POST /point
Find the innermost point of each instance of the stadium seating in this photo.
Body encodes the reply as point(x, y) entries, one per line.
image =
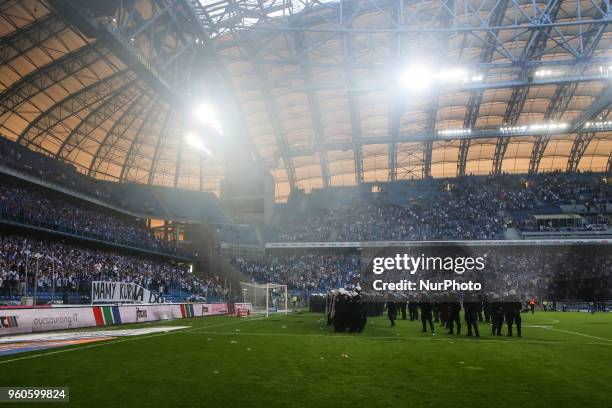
point(22, 204)
point(145, 200)
point(73, 267)
point(553, 272)
point(476, 207)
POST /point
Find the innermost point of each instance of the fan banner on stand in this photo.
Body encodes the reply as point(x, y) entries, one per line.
point(120, 292)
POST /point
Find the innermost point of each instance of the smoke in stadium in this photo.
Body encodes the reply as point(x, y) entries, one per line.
point(377, 203)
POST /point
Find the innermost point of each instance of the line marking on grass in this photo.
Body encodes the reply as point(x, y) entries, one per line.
point(572, 332)
point(581, 334)
point(449, 339)
point(102, 343)
point(242, 320)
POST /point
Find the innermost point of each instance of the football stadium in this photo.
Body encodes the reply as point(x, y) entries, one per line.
point(311, 203)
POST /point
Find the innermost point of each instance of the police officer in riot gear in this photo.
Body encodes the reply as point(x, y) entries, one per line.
point(454, 316)
point(512, 312)
point(472, 308)
point(497, 315)
point(391, 311)
point(426, 315)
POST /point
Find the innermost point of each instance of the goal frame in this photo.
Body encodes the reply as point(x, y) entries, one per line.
point(267, 287)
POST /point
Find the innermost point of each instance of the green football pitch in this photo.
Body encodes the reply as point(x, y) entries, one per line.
point(563, 360)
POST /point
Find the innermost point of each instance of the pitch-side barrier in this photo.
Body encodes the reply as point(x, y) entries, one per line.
point(40, 319)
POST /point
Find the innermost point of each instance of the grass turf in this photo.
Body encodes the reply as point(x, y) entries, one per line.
point(563, 360)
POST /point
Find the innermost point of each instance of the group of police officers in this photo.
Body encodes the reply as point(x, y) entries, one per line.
point(447, 312)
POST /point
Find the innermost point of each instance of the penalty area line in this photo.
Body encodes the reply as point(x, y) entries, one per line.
point(582, 334)
point(572, 332)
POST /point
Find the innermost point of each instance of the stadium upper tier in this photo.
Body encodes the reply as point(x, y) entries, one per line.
point(135, 199)
point(27, 206)
point(466, 208)
point(324, 93)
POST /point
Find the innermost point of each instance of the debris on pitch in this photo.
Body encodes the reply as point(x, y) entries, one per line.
point(344, 355)
point(234, 341)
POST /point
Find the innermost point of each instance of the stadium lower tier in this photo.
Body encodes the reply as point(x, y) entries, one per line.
point(555, 272)
point(63, 271)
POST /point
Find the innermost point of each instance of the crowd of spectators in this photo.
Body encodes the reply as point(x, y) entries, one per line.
point(579, 273)
point(474, 207)
point(570, 273)
point(310, 272)
point(73, 268)
point(33, 207)
point(39, 166)
point(466, 208)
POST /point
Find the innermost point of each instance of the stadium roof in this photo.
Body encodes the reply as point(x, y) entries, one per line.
point(325, 93)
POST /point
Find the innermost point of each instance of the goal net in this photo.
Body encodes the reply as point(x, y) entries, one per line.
point(265, 298)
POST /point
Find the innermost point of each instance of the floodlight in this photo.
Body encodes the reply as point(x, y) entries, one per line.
point(206, 115)
point(543, 72)
point(536, 127)
point(455, 132)
point(196, 142)
point(417, 78)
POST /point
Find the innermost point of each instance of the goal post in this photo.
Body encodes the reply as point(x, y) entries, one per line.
point(265, 298)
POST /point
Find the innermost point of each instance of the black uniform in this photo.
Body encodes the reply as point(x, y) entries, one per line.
point(454, 317)
point(487, 313)
point(497, 317)
point(413, 310)
point(512, 311)
point(436, 311)
point(392, 312)
point(443, 312)
point(403, 310)
point(426, 316)
point(472, 310)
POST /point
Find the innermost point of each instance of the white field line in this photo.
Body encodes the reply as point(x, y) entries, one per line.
point(570, 332)
point(539, 327)
point(101, 344)
point(104, 343)
point(240, 320)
